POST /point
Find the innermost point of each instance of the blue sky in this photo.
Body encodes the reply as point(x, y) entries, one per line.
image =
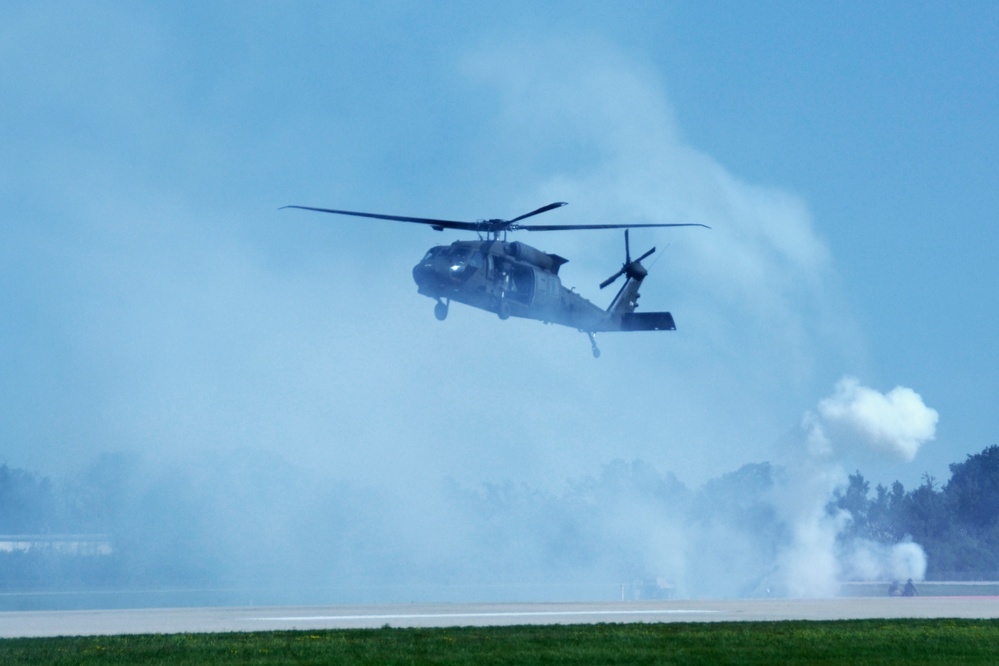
point(157, 301)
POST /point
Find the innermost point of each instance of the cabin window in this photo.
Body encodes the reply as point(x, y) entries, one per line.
point(522, 284)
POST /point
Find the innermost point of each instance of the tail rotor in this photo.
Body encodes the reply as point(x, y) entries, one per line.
point(633, 269)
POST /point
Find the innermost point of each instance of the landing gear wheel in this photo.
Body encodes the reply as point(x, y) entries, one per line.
point(440, 310)
point(504, 310)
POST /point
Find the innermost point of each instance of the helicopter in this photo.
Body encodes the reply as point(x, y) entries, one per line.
point(512, 279)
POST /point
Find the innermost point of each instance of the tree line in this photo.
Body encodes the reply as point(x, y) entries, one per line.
point(244, 519)
point(956, 523)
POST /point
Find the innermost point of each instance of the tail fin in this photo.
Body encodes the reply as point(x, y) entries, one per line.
point(626, 300)
point(622, 309)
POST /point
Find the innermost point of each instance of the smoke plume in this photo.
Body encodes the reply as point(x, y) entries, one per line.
point(893, 424)
point(855, 417)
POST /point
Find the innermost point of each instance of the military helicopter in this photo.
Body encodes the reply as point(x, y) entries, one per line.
point(516, 280)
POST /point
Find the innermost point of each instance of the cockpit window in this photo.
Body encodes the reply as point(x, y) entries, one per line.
point(462, 258)
point(432, 252)
point(461, 255)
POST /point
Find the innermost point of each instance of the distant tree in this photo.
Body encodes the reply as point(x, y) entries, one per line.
point(27, 502)
point(881, 517)
point(854, 499)
point(897, 497)
point(735, 531)
point(924, 513)
point(98, 497)
point(973, 490)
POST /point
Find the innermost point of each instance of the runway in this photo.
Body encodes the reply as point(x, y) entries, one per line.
point(270, 618)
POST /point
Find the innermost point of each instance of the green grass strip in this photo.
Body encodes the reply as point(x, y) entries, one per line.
point(853, 641)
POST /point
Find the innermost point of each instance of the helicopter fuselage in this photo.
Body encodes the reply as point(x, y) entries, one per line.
point(513, 279)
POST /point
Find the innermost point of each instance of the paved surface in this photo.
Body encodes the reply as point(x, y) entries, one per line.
point(178, 620)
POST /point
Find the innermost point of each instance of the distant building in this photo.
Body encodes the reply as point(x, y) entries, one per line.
point(63, 544)
point(652, 588)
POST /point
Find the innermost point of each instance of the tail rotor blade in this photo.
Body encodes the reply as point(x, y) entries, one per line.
point(611, 279)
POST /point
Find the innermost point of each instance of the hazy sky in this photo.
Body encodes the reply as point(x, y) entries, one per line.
point(156, 300)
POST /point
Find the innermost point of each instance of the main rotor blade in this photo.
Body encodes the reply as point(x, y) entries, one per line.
point(543, 209)
point(442, 224)
point(493, 225)
point(575, 227)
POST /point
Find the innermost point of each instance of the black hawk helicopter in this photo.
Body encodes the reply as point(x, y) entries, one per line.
point(516, 280)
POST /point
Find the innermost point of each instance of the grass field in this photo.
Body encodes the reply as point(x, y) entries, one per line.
point(854, 641)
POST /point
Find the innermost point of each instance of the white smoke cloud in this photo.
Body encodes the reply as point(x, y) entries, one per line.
point(896, 423)
point(890, 425)
point(808, 564)
point(755, 297)
point(868, 560)
point(810, 567)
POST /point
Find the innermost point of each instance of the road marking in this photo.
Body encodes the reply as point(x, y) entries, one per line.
point(428, 616)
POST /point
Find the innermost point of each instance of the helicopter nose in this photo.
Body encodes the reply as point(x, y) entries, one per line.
point(423, 274)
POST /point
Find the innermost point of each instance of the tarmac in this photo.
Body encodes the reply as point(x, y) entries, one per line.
point(269, 618)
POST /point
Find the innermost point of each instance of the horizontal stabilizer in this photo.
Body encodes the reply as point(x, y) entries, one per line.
point(647, 321)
